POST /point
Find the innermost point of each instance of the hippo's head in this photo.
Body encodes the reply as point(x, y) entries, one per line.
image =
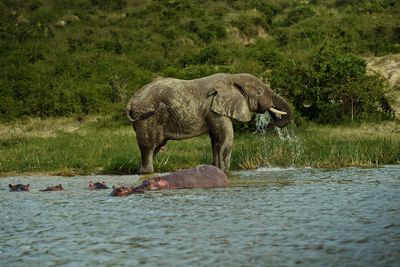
point(53, 188)
point(125, 191)
point(97, 185)
point(155, 183)
point(150, 185)
point(57, 188)
point(120, 191)
point(18, 187)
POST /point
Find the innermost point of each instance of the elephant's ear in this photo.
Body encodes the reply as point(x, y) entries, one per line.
point(229, 101)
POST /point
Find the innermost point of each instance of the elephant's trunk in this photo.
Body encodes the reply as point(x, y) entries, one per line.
point(281, 112)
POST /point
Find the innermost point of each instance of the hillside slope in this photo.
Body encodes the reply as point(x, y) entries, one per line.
point(389, 67)
point(60, 58)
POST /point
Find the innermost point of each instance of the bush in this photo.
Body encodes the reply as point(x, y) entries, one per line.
point(332, 88)
point(295, 15)
point(248, 25)
point(195, 71)
point(107, 50)
point(42, 15)
point(265, 53)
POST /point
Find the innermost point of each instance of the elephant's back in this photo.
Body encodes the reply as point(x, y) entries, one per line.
point(163, 89)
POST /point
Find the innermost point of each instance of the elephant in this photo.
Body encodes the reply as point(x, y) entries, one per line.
point(174, 109)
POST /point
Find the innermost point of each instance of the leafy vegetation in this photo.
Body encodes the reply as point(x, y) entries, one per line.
point(332, 87)
point(79, 57)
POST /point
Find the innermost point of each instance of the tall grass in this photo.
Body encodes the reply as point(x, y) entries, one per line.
point(102, 146)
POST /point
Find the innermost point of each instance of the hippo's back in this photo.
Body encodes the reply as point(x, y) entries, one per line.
point(203, 176)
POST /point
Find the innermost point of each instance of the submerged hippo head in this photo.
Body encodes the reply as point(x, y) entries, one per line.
point(97, 185)
point(125, 191)
point(154, 183)
point(18, 187)
point(53, 188)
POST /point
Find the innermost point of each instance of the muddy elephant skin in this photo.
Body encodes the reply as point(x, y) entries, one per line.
point(173, 109)
point(18, 187)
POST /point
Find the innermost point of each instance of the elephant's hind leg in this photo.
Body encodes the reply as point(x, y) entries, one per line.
point(146, 163)
point(149, 142)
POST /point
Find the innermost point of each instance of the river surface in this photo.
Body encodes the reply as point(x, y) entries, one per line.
point(287, 217)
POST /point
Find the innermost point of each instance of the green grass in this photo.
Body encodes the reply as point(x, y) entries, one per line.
point(101, 146)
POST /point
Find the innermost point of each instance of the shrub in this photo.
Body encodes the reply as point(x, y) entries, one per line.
point(333, 87)
point(114, 47)
point(246, 25)
point(295, 15)
point(266, 53)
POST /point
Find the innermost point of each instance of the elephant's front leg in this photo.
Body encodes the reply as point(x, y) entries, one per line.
point(221, 134)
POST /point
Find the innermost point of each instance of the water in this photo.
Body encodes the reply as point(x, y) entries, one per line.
point(262, 122)
point(302, 217)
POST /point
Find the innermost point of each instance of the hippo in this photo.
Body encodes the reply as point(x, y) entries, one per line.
point(97, 185)
point(125, 191)
point(53, 188)
point(203, 176)
point(18, 187)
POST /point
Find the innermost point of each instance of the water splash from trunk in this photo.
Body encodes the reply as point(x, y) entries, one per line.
point(262, 122)
point(263, 125)
point(295, 148)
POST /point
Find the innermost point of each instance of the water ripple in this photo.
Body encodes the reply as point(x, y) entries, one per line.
point(304, 217)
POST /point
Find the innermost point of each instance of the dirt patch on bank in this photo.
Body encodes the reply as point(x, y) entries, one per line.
point(44, 128)
point(389, 67)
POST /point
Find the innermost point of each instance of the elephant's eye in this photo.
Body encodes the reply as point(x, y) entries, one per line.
point(259, 92)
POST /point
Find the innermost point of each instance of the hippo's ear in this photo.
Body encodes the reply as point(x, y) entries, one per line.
point(158, 178)
point(27, 186)
point(10, 185)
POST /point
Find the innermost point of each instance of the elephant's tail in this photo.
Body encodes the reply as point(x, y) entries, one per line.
point(128, 112)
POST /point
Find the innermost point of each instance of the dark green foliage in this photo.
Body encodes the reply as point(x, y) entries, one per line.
point(333, 87)
point(297, 14)
point(77, 57)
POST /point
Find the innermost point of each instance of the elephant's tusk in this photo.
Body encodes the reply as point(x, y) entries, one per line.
point(278, 112)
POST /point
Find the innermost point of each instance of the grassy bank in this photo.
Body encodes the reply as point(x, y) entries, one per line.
point(101, 146)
